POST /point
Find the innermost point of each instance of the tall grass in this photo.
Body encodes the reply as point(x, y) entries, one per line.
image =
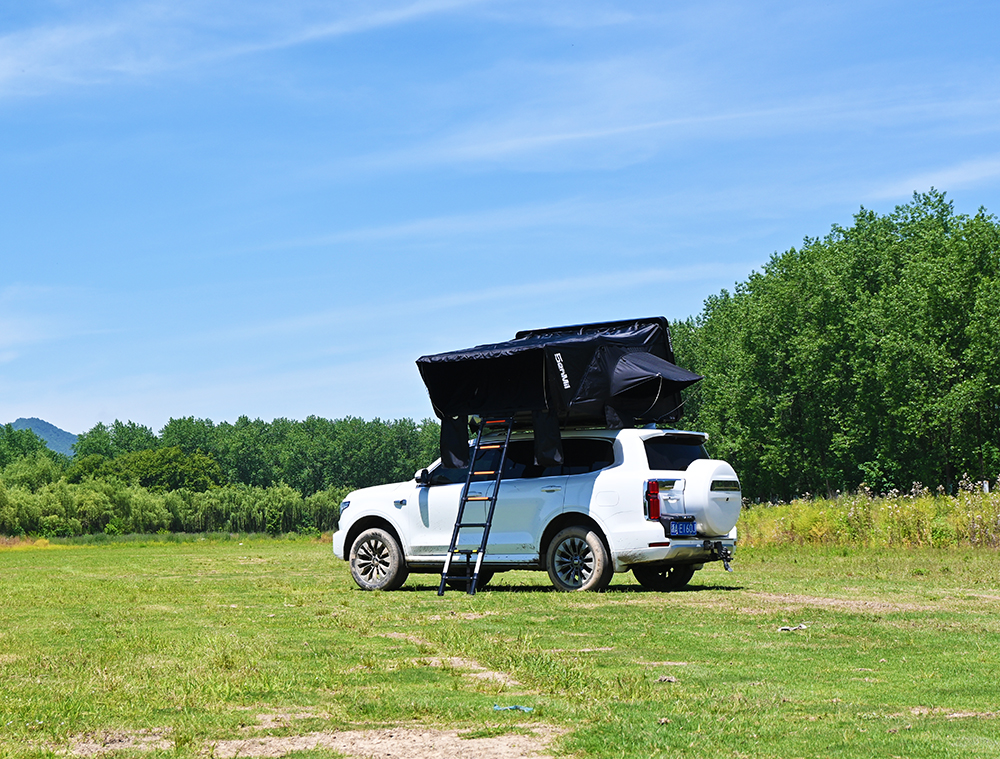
point(920, 518)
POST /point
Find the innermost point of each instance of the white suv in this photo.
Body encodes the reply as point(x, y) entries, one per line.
point(645, 500)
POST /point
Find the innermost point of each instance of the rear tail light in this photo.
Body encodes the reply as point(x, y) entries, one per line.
point(653, 499)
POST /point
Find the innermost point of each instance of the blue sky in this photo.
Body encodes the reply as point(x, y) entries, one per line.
point(216, 208)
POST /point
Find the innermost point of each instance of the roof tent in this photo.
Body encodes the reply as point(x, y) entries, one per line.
point(613, 374)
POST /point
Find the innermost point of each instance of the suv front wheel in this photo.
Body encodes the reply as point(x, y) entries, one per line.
point(377, 562)
point(578, 560)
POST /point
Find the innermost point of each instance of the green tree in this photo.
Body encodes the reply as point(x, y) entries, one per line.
point(94, 442)
point(165, 469)
point(867, 355)
point(32, 471)
point(15, 444)
point(190, 435)
point(84, 467)
point(120, 437)
point(245, 452)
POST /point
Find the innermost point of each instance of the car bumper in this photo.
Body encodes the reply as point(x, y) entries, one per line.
point(673, 551)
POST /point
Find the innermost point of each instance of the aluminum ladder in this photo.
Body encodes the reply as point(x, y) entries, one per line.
point(471, 578)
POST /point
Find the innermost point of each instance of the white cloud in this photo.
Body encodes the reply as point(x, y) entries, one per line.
point(615, 112)
point(977, 172)
point(570, 211)
point(32, 315)
point(138, 40)
point(519, 298)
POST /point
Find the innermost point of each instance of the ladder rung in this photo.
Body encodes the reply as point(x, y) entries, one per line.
point(485, 472)
point(490, 447)
point(478, 498)
point(471, 524)
point(465, 551)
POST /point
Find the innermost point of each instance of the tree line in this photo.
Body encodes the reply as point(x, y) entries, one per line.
point(869, 356)
point(309, 456)
point(198, 476)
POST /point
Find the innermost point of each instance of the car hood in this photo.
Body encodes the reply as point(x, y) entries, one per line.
point(377, 492)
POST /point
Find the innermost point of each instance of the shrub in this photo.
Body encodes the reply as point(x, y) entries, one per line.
point(919, 518)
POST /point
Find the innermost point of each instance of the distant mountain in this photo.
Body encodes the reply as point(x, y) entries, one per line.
point(58, 440)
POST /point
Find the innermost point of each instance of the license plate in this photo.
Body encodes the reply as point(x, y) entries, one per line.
point(683, 529)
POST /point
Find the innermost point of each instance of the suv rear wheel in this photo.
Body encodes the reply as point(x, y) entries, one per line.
point(578, 560)
point(663, 578)
point(376, 561)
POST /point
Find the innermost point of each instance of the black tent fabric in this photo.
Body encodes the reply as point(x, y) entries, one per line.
point(608, 374)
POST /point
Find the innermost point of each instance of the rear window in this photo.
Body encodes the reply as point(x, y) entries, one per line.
point(674, 452)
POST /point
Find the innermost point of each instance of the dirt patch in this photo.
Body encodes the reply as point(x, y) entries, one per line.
point(924, 711)
point(472, 669)
point(855, 605)
point(392, 743)
point(95, 744)
point(395, 743)
point(274, 720)
point(410, 638)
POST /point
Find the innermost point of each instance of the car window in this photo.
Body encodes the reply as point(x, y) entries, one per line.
point(520, 463)
point(674, 451)
point(485, 465)
point(583, 455)
point(580, 456)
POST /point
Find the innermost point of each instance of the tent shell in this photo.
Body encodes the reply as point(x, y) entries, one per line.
point(607, 374)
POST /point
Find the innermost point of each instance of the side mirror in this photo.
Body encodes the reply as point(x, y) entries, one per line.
point(423, 477)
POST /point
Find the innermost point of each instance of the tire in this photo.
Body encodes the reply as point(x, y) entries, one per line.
point(485, 575)
point(578, 560)
point(377, 562)
point(663, 579)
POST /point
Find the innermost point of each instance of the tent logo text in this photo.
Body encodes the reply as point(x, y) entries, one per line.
point(562, 370)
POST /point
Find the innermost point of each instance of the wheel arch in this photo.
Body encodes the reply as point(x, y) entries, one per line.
point(367, 523)
point(570, 519)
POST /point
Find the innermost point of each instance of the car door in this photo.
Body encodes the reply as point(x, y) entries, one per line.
point(527, 494)
point(530, 495)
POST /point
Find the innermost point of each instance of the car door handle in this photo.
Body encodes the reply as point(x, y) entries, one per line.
point(554, 489)
point(399, 503)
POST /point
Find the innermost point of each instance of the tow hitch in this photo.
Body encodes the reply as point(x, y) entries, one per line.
point(722, 552)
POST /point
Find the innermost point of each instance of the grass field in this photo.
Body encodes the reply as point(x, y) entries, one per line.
point(186, 649)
